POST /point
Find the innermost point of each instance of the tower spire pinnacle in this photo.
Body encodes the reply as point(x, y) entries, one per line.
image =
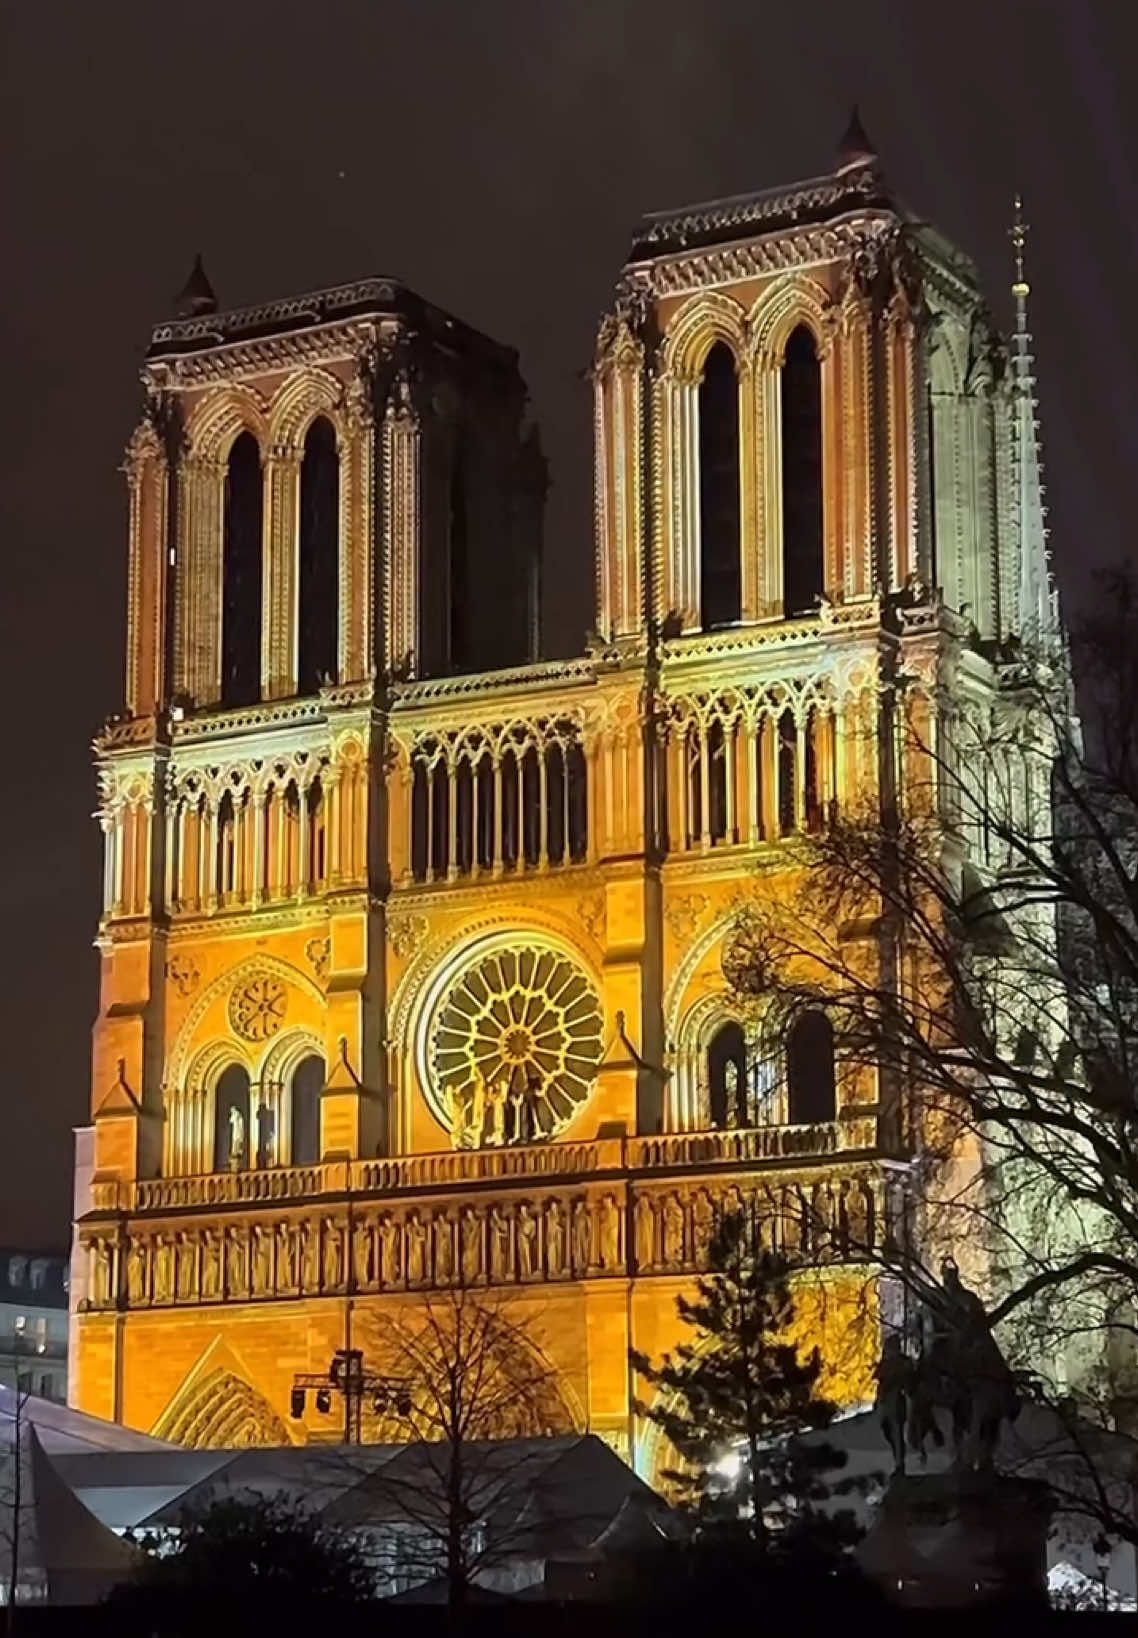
point(1038, 610)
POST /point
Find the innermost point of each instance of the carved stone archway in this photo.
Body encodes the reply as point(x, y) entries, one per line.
point(220, 1411)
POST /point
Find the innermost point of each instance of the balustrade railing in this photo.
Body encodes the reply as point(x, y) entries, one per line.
point(445, 1168)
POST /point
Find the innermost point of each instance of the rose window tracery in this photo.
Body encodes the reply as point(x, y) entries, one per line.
point(515, 1046)
point(257, 1007)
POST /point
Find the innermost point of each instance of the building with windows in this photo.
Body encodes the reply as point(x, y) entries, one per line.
point(34, 1322)
point(413, 943)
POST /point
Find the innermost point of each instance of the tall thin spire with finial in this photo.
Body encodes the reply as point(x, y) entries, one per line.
point(1038, 612)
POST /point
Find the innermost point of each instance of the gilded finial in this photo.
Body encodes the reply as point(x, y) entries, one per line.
point(1018, 233)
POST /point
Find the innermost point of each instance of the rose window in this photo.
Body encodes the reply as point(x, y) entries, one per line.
point(257, 1008)
point(515, 1046)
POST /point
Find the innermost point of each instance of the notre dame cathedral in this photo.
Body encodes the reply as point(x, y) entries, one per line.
point(412, 941)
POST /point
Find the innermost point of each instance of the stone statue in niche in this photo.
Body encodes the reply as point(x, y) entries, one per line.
point(362, 1255)
point(236, 1258)
point(582, 1236)
point(556, 1259)
point(608, 1235)
point(674, 1225)
point(821, 1211)
point(444, 1249)
point(262, 1260)
point(136, 1271)
point(236, 1139)
point(415, 1238)
point(529, 1250)
point(500, 1259)
point(163, 1269)
point(471, 1233)
point(185, 1267)
point(645, 1217)
point(333, 1255)
point(286, 1257)
point(211, 1264)
point(391, 1268)
point(703, 1226)
point(100, 1272)
point(310, 1256)
point(858, 1220)
point(266, 1136)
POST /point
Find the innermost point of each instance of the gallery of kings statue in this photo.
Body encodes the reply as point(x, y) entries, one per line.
point(412, 942)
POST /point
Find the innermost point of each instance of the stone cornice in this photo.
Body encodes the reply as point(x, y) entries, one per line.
point(239, 361)
point(756, 258)
point(817, 199)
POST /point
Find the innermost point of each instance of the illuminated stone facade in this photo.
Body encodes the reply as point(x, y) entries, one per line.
point(414, 974)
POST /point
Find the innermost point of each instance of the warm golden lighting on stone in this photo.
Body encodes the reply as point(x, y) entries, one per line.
point(417, 976)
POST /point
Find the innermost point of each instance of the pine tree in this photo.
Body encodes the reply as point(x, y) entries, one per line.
point(735, 1402)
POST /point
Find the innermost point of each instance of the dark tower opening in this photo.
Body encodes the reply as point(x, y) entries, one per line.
point(307, 1085)
point(727, 1076)
point(318, 592)
point(803, 568)
point(231, 1128)
point(241, 576)
point(720, 574)
point(459, 635)
point(810, 1069)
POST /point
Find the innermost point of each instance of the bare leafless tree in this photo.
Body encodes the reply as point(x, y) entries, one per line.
point(467, 1389)
point(15, 1493)
point(971, 928)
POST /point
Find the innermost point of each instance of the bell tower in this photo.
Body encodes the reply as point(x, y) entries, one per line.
point(326, 493)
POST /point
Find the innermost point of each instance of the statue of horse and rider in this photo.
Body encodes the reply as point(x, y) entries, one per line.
point(958, 1370)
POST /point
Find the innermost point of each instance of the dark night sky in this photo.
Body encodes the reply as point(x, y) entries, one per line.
point(495, 156)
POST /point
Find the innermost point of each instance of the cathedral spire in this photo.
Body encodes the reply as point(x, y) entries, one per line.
point(197, 294)
point(1038, 608)
point(855, 149)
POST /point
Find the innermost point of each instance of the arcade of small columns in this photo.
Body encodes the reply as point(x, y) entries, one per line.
point(735, 764)
point(245, 833)
point(864, 345)
point(189, 1132)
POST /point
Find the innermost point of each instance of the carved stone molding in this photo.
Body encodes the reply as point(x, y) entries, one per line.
point(406, 933)
point(317, 952)
point(592, 913)
point(183, 973)
point(684, 914)
point(544, 1237)
point(257, 1007)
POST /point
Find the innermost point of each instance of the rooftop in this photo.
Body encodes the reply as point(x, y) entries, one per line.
point(201, 326)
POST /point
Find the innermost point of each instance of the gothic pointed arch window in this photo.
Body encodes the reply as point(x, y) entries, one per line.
point(307, 1085)
point(803, 567)
point(727, 1076)
point(319, 554)
point(811, 1091)
point(231, 1110)
point(720, 559)
point(241, 575)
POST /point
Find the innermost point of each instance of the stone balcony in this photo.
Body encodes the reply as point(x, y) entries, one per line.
point(459, 1169)
point(624, 1209)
